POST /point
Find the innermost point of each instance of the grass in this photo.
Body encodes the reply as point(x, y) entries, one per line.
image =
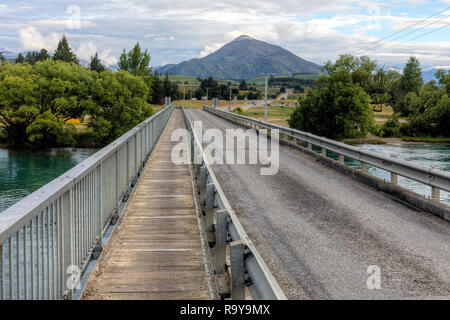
point(363, 141)
point(260, 81)
point(194, 81)
point(387, 111)
point(275, 114)
point(157, 107)
point(198, 104)
point(427, 139)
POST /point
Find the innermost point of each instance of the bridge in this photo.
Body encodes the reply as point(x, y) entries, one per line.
point(129, 223)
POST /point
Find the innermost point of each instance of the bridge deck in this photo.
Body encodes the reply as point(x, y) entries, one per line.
point(155, 251)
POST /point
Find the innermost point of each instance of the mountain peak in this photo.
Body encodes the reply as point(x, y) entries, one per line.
point(244, 37)
point(241, 59)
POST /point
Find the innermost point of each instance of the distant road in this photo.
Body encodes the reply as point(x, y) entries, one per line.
point(319, 231)
point(244, 106)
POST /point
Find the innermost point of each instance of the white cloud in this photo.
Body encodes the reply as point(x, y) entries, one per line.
point(178, 30)
point(210, 49)
point(88, 49)
point(32, 39)
point(62, 24)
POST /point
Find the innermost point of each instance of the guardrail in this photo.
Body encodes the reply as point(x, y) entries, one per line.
point(435, 178)
point(248, 268)
point(48, 238)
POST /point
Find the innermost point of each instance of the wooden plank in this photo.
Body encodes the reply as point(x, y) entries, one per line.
point(156, 252)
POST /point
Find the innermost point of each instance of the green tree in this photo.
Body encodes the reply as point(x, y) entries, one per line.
point(2, 57)
point(96, 64)
point(411, 80)
point(20, 58)
point(64, 53)
point(243, 85)
point(382, 85)
point(33, 57)
point(157, 90)
point(42, 55)
point(136, 62)
point(49, 92)
point(339, 107)
point(208, 86)
point(170, 89)
point(120, 105)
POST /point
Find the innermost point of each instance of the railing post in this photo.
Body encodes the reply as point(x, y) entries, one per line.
point(394, 178)
point(309, 146)
point(324, 152)
point(67, 245)
point(98, 213)
point(237, 270)
point(436, 194)
point(220, 249)
point(209, 207)
point(341, 158)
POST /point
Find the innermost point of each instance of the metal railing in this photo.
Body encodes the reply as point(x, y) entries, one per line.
point(435, 178)
point(48, 238)
point(248, 268)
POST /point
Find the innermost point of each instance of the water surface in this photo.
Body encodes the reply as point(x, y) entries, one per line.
point(23, 172)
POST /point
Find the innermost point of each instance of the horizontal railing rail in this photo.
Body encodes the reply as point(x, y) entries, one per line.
point(435, 178)
point(48, 238)
point(247, 267)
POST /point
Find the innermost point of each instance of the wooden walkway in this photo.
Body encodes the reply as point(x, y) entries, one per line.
point(155, 251)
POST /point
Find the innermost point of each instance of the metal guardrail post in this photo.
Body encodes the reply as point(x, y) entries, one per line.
point(324, 152)
point(221, 241)
point(364, 167)
point(309, 146)
point(436, 194)
point(341, 158)
point(209, 207)
point(237, 270)
point(394, 178)
point(203, 180)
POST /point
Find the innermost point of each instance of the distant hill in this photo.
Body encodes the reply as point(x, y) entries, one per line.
point(243, 58)
point(429, 75)
point(8, 54)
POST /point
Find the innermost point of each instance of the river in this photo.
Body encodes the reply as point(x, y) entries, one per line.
point(428, 155)
point(22, 172)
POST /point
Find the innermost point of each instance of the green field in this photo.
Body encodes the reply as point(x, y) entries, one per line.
point(260, 81)
point(188, 80)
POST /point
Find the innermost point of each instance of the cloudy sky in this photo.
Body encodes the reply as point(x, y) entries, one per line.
point(175, 30)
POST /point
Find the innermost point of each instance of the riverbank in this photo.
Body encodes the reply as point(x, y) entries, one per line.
point(374, 140)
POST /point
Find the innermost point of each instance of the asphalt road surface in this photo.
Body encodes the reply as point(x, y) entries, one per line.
point(319, 231)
